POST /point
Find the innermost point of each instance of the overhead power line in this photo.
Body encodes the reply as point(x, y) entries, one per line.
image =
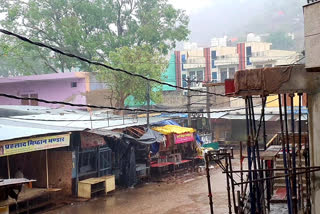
point(100, 64)
point(120, 109)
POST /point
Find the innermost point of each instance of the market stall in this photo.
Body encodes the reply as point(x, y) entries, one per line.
point(176, 152)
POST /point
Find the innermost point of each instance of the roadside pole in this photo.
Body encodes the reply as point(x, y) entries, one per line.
point(208, 113)
point(148, 104)
point(189, 102)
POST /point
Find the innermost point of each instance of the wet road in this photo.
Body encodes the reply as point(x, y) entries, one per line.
point(179, 197)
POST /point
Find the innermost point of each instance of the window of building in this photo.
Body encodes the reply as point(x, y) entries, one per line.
point(232, 71)
point(183, 60)
point(259, 66)
point(73, 84)
point(249, 54)
point(25, 102)
point(29, 102)
point(184, 82)
point(224, 74)
point(213, 54)
point(213, 58)
point(268, 65)
point(214, 76)
point(192, 75)
point(199, 75)
point(33, 102)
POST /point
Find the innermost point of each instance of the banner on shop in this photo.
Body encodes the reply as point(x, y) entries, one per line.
point(33, 144)
point(183, 138)
point(89, 140)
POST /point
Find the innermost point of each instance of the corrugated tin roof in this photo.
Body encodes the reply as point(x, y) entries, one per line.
point(269, 117)
point(84, 120)
point(11, 129)
point(51, 121)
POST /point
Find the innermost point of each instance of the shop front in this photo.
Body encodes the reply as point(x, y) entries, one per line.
point(38, 159)
point(92, 158)
point(178, 151)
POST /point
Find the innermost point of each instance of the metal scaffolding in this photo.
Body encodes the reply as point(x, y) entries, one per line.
point(260, 173)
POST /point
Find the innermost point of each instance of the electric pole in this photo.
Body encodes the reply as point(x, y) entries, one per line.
point(148, 104)
point(208, 105)
point(189, 102)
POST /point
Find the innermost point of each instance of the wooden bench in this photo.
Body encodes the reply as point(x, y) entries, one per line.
point(91, 187)
point(110, 183)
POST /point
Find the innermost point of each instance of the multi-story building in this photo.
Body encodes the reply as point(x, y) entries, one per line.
point(217, 63)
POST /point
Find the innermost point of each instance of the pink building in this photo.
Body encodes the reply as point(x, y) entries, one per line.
point(68, 87)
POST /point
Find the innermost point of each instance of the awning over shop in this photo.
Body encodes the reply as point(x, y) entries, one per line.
point(151, 137)
point(169, 129)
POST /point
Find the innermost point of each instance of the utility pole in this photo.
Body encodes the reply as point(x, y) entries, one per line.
point(189, 101)
point(148, 104)
point(208, 113)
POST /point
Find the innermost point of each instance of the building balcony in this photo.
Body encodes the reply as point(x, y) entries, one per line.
point(193, 65)
point(220, 61)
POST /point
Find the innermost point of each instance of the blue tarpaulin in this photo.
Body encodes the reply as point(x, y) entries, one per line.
point(166, 122)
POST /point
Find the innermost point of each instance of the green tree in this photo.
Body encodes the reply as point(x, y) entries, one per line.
point(142, 60)
point(88, 28)
point(280, 40)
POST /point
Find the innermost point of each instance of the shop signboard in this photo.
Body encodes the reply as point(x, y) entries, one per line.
point(33, 144)
point(183, 138)
point(89, 140)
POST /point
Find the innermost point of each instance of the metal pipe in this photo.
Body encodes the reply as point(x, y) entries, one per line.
point(239, 208)
point(268, 186)
point(241, 167)
point(232, 185)
point(253, 132)
point(279, 176)
point(249, 158)
point(300, 187)
point(209, 183)
point(228, 184)
point(294, 177)
point(260, 162)
point(289, 202)
point(148, 104)
point(308, 181)
point(272, 170)
point(264, 99)
point(287, 132)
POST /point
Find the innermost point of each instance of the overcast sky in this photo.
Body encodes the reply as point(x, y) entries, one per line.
point(216, 18)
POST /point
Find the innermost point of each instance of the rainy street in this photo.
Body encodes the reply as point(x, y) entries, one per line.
point(184, 195)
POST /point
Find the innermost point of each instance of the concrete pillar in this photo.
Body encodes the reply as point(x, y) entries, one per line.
point(314, 139)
